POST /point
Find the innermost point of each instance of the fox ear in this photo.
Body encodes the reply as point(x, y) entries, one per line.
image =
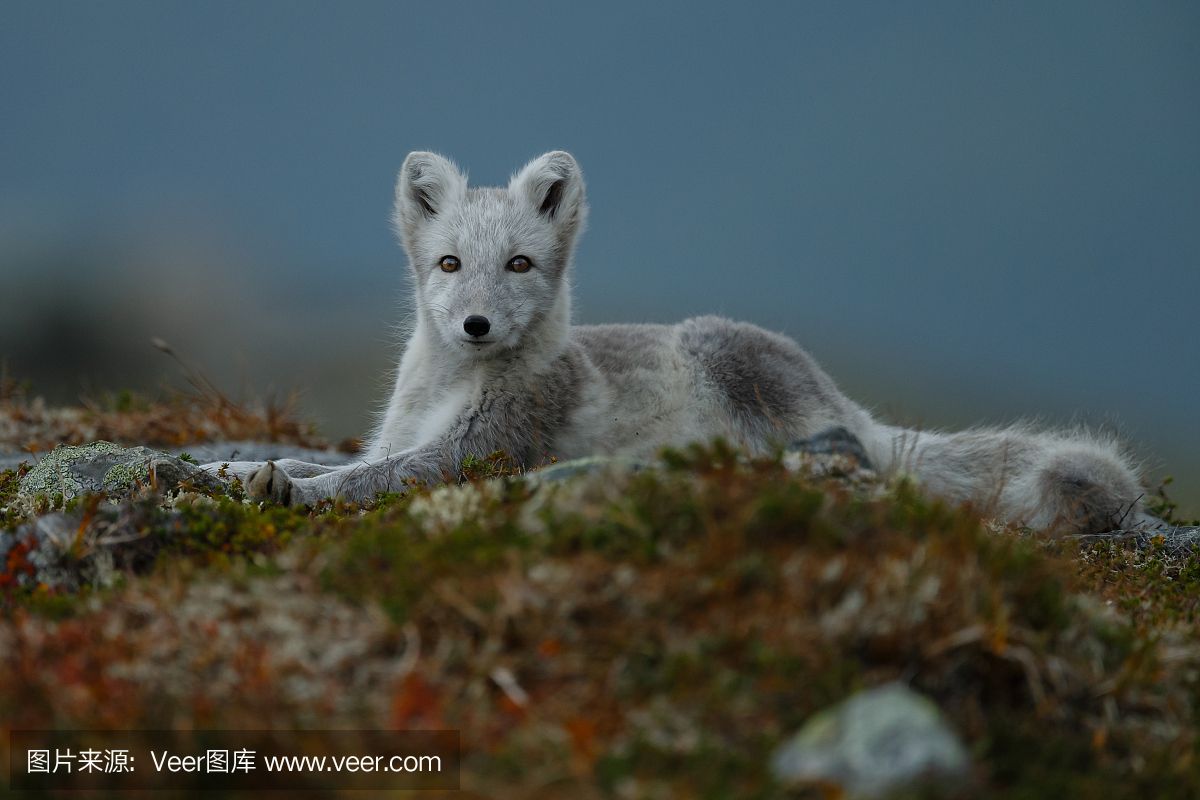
point(427, 186)
point(553, 185)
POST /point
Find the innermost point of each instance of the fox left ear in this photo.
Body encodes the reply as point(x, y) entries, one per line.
point(553, 184)
point(428, 185)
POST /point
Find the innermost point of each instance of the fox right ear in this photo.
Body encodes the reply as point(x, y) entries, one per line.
point(553, 185)
point(427, 186)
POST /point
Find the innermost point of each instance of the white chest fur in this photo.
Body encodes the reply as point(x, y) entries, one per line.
point(444, 406)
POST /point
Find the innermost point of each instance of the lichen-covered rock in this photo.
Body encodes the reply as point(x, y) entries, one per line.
point(874, 743)
point(115, 470)
point(566, 470)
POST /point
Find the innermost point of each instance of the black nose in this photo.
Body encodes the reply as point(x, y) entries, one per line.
point(476, 325)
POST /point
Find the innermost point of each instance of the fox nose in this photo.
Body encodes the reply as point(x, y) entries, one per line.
point(476, 325)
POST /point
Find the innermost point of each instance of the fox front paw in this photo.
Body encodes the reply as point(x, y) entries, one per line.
point(269, 484)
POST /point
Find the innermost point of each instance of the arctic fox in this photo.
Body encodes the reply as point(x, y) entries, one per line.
point(493, 363)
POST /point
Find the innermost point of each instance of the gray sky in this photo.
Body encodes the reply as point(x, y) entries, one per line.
point(964, 210)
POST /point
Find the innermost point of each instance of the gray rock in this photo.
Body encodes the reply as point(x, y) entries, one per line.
point(66, 551)
point(48, 542)
point(211, 452)
point(221, 451)
point(565, 470)
point(834, 442)
point(874, 743)
point(104, 466)
point(1178, 541)
point(834, 453)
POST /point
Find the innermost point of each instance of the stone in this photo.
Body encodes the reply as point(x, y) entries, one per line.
point(64, 551)
point(209, 452)
point(1178, 541)
point(874, 743)
point(833, 442)
point(834, 453)
point(212, 452)
point(566, 470)
point(115, 470)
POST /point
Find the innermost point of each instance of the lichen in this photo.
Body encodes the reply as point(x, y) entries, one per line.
point(127, 477)
point(53, 474)
point(70, 472)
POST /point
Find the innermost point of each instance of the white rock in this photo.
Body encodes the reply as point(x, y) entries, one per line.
point(873, 743)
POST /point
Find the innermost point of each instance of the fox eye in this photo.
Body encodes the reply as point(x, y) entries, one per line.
point(520, 264)
point(449, 264)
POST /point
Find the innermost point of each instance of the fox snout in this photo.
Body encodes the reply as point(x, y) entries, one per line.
point(476, 325)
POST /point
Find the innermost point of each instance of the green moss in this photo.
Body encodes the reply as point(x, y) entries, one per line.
point(216, 533)
point(10, 482)
point(389, 557)
point(495, 465)
point(54, 605)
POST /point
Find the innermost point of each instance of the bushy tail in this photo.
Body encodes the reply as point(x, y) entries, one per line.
point(1076, 482)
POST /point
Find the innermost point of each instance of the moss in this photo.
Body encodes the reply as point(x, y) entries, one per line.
point(10, 482)
point(389, 556)
point(222, 529)
point(495, 465)
point(53, 604)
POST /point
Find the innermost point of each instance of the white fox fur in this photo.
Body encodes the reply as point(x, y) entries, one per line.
point(528, 382)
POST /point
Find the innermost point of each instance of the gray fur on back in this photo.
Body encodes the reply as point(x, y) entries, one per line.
point(537, 387)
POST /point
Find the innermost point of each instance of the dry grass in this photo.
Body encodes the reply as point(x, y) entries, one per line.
point(182, 417)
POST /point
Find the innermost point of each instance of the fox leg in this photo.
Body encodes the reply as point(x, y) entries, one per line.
point(274, 482)
point(243, 470)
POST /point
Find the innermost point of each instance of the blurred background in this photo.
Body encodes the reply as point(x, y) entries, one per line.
point(967, 213)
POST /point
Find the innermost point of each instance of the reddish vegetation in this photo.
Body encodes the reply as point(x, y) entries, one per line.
point(648, 635)
point(182, 419)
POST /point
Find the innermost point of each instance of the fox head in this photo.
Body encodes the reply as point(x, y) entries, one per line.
point(491, 266)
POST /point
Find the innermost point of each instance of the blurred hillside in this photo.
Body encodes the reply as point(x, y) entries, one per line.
point(79, 322)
